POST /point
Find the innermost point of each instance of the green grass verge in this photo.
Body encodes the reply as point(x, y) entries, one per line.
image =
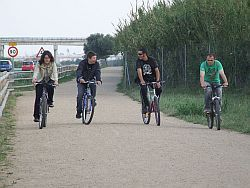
point(7, 125)
point(188, 105)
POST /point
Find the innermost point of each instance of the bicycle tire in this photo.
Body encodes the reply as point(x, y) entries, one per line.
point(217, 114)
point(210, 118)
point(88, 110)
point(43, 112)
point(157, 111)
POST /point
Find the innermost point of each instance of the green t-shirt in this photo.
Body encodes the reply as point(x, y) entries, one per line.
point(211, 71)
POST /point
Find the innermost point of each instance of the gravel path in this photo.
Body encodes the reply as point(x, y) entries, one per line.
point(117, 150)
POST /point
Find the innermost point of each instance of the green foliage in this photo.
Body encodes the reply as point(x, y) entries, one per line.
point(202, 26)
point(101, 44)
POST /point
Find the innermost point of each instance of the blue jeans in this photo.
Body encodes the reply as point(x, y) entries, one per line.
point(81, 90)
point(208, 94)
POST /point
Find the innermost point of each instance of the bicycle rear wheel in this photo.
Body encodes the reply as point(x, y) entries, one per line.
point(157, 111)
point(217, 114)
point(88, 110)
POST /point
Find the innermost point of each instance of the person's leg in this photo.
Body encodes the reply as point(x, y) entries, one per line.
point(93, 92)
point(158, 91)
point(81, 89)
point(50, 90)
point(144, 97)
point(219, 93)
point(39, 91)
point(207, 96)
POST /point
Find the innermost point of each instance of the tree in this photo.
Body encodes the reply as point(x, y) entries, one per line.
point(100, 44)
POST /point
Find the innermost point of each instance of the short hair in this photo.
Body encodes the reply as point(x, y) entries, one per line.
point(48, 53)
point(143, 50)
point(90, 54)
point(211, 55)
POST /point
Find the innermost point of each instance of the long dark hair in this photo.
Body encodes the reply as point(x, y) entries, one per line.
point(48, 53)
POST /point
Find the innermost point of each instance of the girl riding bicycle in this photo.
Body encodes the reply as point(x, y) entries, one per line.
point(45, 70)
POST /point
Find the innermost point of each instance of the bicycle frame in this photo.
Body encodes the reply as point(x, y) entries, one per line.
point(150, 95)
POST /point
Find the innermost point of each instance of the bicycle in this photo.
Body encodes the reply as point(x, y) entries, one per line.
point(44, 107)
point(88, 104)
point(215, 106)
point(153, 104)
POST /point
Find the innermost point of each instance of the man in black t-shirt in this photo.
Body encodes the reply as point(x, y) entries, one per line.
point(147, 71)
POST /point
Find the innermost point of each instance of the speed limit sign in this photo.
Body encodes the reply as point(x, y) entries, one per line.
point(12, 51)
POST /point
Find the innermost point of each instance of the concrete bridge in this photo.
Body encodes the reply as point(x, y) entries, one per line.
point(66, 41)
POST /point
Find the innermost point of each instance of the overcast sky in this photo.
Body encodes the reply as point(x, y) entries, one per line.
point(61, 18)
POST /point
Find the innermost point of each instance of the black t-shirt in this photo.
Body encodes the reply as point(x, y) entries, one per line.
point(148, 69)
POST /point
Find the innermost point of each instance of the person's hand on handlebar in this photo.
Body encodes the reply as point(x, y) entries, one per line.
point(56, 83)
point(158, 84)
point(34, 80)
point(82, 81)
point(143, 82)
point(225, 84)
point(99, 83)
point(203, 85)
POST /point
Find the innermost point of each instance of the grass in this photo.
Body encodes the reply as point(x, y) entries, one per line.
point(188, 105)
point(7, 125)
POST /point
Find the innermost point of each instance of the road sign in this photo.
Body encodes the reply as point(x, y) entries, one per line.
point(12, 43)
point(12, 51)
point(40, 52)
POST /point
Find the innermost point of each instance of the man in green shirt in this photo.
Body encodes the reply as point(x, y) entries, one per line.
point(210, 72)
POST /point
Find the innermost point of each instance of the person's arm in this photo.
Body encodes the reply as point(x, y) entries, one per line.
point(79, 73)
point(139, 73)
point(35, 74)
point(98, 74)
point(158, 77)
point(55, 73)
point(202, 79)
point(202, 75)
point(224, 78)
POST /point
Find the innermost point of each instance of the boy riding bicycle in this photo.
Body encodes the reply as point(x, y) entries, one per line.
point(88, 70)
point(147, 71)
point(210, 72)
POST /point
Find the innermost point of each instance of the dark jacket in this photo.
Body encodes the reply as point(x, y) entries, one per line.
point(88, 72)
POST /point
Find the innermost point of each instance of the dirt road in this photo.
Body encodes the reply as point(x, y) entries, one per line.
point(117, 150)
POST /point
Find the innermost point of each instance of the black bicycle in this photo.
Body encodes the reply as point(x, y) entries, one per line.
point(44, 107)
point(215, 113)
point(88, 104)
point(153, 104)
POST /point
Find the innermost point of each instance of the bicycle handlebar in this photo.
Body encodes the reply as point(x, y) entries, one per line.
point(44, 83)
point(220, 85)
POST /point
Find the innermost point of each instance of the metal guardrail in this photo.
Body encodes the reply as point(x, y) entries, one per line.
point(8, 79)
point(4, 90)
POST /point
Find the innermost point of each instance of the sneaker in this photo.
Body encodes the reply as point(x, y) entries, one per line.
point(95, 103)
point(51, 105)
point(36, 119)
point(207, 111)
point(78, 115)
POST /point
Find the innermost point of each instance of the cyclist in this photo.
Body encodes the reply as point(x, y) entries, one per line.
point(147, 71)
point(46, 70)
point(88, 70)
point(210, 72)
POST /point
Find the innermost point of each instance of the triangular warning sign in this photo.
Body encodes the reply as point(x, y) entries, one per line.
point(40, 52)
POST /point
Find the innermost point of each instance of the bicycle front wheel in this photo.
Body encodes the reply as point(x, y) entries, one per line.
point(157, 111)
point(88, 110)
point(43, 112)
point(217, 114)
